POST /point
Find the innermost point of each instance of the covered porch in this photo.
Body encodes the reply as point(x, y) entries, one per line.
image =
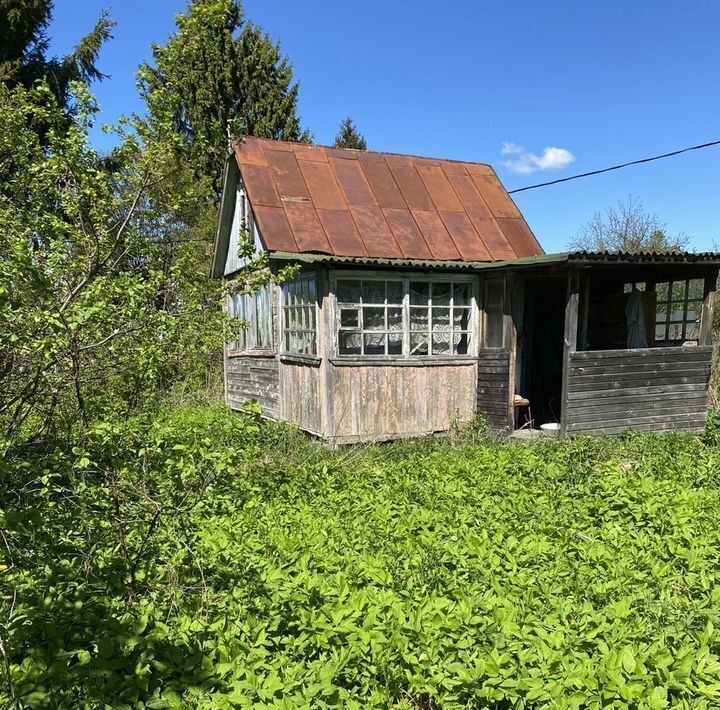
point(600, 343)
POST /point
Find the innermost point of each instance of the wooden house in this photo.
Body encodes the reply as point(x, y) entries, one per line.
point(423, 298)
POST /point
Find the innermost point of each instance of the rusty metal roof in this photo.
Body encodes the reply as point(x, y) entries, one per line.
point(349, 203)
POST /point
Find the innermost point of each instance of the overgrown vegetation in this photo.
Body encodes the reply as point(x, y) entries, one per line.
point(204, 559)
point(154, 555)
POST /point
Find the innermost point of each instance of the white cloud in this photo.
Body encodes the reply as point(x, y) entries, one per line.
point(510, 148)
point(552, 158)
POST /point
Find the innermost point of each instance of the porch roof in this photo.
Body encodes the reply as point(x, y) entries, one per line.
point(575, 258)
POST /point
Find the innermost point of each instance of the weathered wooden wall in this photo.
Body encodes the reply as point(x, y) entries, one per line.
point(300, 387)
point(248, 378)
point(493, 387)
point(654, 389)
point(378, 402)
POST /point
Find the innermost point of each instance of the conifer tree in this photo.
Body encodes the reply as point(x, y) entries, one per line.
point(24, 45)
point(220, 75)
point(349, 137)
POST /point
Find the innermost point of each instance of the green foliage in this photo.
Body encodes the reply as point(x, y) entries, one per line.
point(220, 76)
point(93, 316)
point(349, 137)
point(442, 573)
point(24, 44)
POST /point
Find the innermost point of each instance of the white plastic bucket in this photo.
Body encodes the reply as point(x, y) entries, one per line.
point(550, 429)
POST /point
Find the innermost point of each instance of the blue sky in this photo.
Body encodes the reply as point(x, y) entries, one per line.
point(599, 82)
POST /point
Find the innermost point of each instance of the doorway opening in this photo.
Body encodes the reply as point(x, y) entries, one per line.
point(540, 349)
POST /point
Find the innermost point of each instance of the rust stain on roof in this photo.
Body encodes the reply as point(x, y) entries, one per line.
point(313, 199)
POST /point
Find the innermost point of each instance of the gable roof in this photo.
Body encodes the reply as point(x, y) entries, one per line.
point(315, 199)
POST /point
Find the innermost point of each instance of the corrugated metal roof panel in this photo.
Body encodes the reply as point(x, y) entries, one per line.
point(395, 205)
point(576, 258)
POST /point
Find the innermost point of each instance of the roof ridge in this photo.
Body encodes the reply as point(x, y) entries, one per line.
point(376, 152)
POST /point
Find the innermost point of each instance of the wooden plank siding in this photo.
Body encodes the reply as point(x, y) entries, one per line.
point(382, 402)
point(493, 387)
point(300, 386)
point(653, 389)
point(250, 378)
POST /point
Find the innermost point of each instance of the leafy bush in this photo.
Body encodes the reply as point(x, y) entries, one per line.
point(445, 573)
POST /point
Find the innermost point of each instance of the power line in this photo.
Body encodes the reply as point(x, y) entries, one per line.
point(616, 167)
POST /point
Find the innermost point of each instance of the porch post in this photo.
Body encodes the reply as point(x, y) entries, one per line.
point(570, 339)
point(706, 319)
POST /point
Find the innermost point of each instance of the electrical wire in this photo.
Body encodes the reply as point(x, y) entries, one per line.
point(615, 167)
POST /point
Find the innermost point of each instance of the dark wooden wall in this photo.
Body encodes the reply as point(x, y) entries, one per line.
point(253, 377)
point(493, 387)
point(657, 389)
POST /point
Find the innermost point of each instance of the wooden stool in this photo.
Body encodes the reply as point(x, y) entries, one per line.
point(518, 403)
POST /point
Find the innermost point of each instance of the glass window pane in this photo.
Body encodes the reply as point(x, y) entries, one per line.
point(395, 292)
point(494, 320)
point(374, 343)
point(394, 319)
point(660, 331)
point(692, 330)
point(350, 317)
point(678, 291)
point(662, 291)
point(395, 343)
point(441, 318)
point(661, 312)
point(441, 344)
point(373, 318)
point(419, 292)
point(461, 318)
point(418, 344)
point(419, 318)
point(461, 295)
point(348, 291)
point(312, 296)
point(441, 294)
point(373, 292)
point(675, 331)
point(677, 312)
point(349, 343)
point(460, 343)
point(696, 289)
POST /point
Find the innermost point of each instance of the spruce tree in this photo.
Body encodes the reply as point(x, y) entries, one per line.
point(220, 76)
point(349, 137)
point(24, 44)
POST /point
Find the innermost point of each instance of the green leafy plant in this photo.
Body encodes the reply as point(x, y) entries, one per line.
point(205, 559)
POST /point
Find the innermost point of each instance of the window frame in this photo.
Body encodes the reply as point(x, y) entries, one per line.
point(405, 278)
point(284, 329)
point(668, 303)
point(249, 306)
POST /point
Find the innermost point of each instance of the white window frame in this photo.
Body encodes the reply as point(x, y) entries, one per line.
point(406, 278)
point(309, 276)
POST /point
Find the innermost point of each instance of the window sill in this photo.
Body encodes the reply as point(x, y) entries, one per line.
point(301, 359)
point(389, 361)
point(251, 353)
